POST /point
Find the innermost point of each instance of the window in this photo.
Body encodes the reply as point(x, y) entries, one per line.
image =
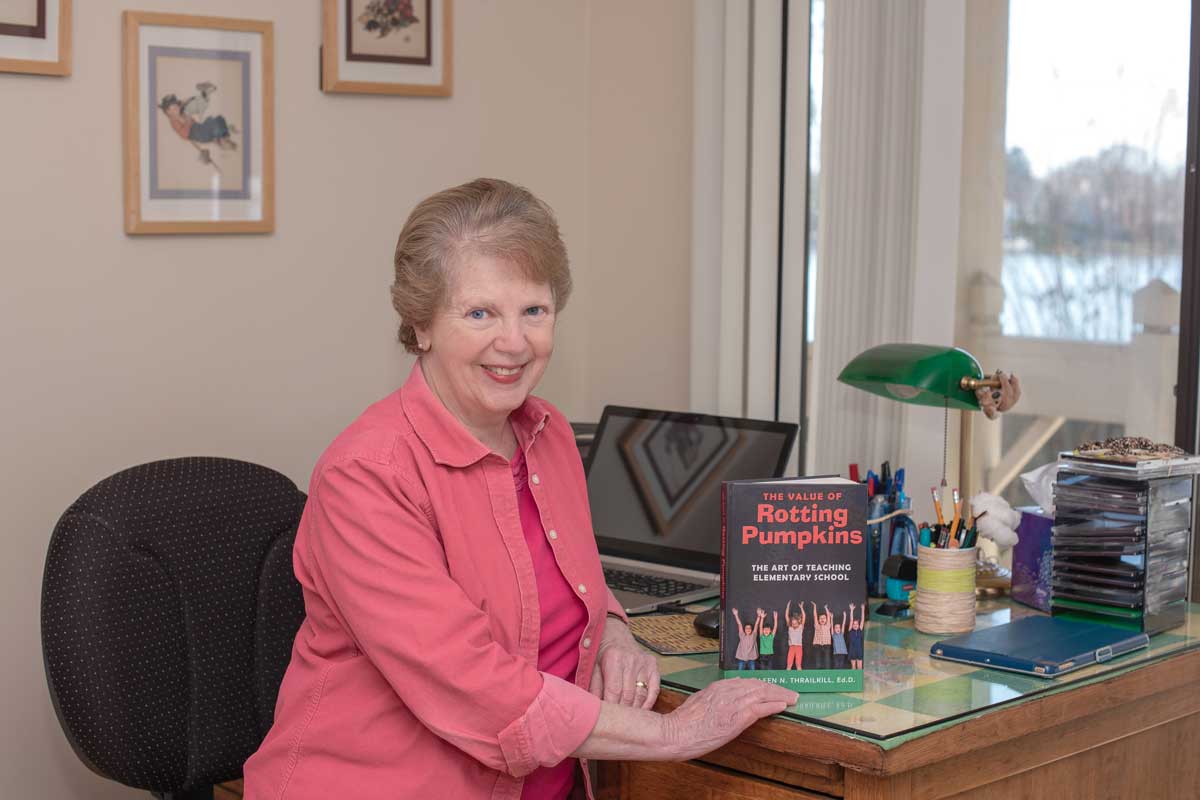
point(1095, 146)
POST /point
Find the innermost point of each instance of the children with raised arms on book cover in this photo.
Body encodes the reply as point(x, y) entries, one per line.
point(793, 582)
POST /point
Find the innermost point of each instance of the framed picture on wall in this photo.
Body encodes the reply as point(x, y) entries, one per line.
point(199, 142)
point(35, 36)
point(387, 47)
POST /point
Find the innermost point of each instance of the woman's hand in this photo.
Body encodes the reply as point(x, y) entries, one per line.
point(715, 715)
point(624, 673)
point(996, 401)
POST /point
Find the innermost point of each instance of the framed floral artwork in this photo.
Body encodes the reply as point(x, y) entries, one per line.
point(387, 47)
point(35, 36)
point(199, 124)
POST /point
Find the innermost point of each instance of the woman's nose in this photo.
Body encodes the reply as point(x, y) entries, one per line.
point(510, 338)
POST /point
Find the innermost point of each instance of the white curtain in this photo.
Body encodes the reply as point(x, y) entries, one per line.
point(867, 221)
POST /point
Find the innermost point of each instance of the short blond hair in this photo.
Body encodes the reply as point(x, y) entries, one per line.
point(488, 217)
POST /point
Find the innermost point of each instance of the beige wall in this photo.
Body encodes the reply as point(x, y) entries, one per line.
point(117, 350)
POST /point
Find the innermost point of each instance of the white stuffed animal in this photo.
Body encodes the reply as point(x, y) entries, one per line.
point(995, 519)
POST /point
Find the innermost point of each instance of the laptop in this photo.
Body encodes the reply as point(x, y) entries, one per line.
point(654, 484)
point(1043, 646)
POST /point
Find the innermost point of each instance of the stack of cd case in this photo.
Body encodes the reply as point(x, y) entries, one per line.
point(1119, 547)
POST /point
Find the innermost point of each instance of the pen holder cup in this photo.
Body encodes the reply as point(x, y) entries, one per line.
point(945, 601)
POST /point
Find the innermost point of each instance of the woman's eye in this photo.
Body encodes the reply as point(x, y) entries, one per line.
point(535, 311)
point(477, 313)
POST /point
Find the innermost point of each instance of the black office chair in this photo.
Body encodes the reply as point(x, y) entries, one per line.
point(169, 608)
point(585, 433)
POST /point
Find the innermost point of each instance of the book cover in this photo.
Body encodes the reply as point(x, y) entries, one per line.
point(793, 582)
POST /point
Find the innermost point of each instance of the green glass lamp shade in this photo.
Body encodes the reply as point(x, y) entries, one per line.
point(921, 374)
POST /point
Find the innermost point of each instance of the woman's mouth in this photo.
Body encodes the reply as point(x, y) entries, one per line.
point(504, 374)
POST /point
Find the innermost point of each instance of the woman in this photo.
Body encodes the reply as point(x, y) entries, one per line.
point(459, 640)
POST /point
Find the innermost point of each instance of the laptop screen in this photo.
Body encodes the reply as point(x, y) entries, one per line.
point(654, 480)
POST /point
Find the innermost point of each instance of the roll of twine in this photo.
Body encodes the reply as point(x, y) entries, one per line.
point(945, 601)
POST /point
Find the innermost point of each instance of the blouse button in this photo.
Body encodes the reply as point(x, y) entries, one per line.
point(536, 480)
point(553, 534)
point(587, 642)
point(582, 589)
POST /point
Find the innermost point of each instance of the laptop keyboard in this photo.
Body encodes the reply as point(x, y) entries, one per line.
point(652, 585)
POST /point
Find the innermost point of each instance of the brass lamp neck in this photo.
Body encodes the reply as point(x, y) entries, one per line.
point(971, 384)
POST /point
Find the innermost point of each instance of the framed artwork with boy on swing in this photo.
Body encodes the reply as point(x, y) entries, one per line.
point(198, 111)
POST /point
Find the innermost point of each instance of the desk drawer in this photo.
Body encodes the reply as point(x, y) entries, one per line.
point(690, 780)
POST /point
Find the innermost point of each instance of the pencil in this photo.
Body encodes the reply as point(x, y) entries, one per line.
point(937, 505)
point(957, 518)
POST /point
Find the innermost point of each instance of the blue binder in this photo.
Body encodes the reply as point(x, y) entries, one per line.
point(1043, 646)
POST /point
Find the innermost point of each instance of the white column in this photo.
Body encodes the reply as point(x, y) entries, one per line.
point(981, 239)
point(762, 256)
point(735, 208)
point(795, 209)
point(708, 109)
point(935, 278)
point(1152, 362)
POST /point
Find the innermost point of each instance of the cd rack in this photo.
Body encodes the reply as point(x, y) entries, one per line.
point(1119, 548)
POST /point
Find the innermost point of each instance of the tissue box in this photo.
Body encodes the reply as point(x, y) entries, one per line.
point(1031, 560)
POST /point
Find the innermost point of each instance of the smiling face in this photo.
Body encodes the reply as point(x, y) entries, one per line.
point(749, 629)
point(490, 343)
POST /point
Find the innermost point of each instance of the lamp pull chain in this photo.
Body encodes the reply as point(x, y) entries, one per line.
point(945, 439)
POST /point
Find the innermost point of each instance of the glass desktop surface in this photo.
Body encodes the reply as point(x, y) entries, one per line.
point(907, 693)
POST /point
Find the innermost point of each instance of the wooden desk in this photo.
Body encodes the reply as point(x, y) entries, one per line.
point(1127, 729)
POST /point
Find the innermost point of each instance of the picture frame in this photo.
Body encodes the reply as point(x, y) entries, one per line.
point(400, 47)
point(198, 112)
point(35, 37)
point(673, 463)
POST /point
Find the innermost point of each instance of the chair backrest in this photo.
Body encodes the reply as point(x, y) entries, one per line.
point(169, 609)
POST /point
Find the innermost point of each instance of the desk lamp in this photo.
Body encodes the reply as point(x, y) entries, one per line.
point(924, 375)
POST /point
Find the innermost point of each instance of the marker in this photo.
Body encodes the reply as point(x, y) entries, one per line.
point(926, 536)
point(854, 473)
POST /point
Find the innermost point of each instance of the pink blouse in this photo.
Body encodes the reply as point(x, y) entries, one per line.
point(416, 672)
point(563, 619)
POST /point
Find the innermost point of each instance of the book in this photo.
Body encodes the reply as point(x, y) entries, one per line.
point(796, 550)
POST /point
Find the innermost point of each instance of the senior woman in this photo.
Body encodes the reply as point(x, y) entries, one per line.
point(460, 641)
